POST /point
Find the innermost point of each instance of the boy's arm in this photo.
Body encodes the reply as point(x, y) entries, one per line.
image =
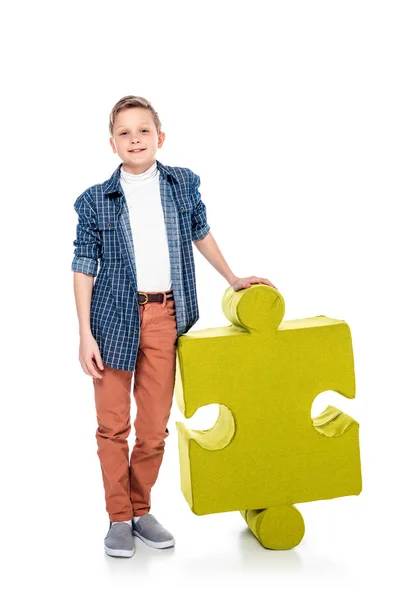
point(85, 263)
point(202, 237)
point(88, 240)
point(209, 249)
point(200, 226)
point(206, 244)
point(83, 288)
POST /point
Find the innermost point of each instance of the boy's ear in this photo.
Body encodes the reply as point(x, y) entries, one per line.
point(112, 145)
point(161, 139)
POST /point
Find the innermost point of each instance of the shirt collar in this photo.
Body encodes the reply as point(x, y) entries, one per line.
point(113, 184)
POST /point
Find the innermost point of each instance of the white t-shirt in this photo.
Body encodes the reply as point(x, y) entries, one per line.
point(142, 193)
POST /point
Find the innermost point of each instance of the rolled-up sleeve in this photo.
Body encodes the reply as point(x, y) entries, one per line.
point(88, 240)
point(200, 226)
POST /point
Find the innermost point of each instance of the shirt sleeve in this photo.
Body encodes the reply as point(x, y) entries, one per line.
point(200, 226)
point(88, 239)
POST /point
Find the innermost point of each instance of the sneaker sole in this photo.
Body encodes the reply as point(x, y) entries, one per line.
point(166, 544)
point(117, 552)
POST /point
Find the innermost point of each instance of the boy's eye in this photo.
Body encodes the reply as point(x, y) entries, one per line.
point(124, 132)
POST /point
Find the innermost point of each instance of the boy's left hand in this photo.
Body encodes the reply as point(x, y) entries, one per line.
point(245, 282)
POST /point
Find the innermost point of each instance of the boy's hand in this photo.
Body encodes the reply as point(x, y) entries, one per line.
point(245, 282)
point(89, 356)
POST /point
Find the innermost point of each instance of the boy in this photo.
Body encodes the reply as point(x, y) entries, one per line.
point(141, 224)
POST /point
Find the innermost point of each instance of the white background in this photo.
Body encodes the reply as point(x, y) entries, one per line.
point(289, 112)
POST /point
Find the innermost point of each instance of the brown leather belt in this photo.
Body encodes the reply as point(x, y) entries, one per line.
point(145, 297)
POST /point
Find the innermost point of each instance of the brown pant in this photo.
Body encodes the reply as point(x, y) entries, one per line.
point(128, 482)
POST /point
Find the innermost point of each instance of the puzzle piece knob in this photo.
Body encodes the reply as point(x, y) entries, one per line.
point(259, 308)
point(276, 527)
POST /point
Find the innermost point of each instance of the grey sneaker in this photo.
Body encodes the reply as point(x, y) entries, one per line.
point(119, 540)
point(152, 533)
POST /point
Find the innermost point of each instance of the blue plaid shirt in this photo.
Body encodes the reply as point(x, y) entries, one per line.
point(103, 233)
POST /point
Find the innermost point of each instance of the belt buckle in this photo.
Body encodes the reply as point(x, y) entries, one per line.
point(147, 298)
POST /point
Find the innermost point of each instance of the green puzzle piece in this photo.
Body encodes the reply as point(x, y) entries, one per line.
point(265, 452)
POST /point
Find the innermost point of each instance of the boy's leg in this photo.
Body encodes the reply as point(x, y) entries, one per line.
point(154, 381)
point(112, 398)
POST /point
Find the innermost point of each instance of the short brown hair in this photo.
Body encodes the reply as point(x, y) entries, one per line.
point(133, 102)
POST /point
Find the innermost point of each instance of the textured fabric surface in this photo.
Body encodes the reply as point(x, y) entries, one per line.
point(104, 236)
point(119, 540)
point(150, 531)
point(143, 197)
point(265, 450)
point(128, 481)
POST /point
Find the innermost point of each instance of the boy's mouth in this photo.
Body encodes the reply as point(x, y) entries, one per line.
point(136, 151)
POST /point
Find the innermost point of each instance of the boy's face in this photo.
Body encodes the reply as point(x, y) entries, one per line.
point(135, 128)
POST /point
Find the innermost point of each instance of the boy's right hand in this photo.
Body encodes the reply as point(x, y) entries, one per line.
point(89, 356)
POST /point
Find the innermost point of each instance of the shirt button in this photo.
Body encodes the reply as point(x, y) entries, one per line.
point(182, 208)
point(136, 330)
point(109, 225)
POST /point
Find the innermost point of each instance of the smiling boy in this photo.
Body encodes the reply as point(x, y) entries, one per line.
point(140, 224)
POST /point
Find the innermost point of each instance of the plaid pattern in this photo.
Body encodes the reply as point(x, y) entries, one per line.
point(104, 234)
